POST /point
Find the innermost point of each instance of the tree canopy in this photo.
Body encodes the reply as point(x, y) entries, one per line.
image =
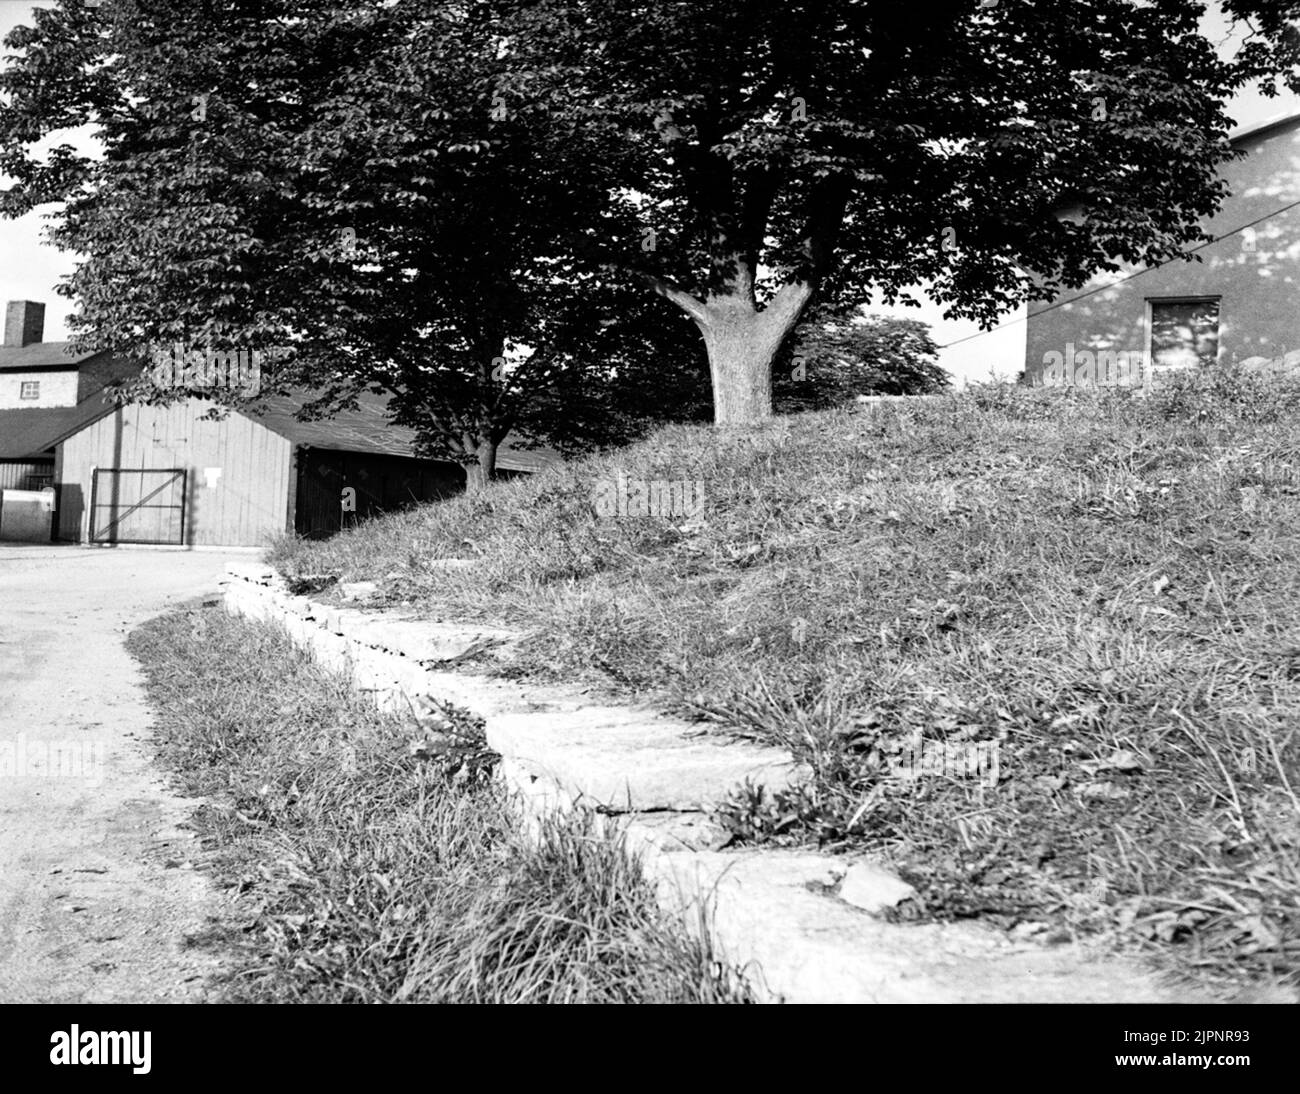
point(456, 201)
point(854, 150)
point(344, 179)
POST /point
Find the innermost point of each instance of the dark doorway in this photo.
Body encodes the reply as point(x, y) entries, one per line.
point(383, 484)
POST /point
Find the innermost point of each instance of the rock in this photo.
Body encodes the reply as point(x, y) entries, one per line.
point(873, 888)
point(358, 590)
point(1256, 364)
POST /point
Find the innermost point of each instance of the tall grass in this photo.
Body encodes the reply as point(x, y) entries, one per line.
point(1104, 588)
point(372, 867)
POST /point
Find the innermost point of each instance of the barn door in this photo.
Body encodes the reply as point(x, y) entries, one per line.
point(137, 505)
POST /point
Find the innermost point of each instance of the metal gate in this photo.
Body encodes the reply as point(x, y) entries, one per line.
point(138, 505)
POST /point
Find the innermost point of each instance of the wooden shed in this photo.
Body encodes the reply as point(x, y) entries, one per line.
point(175, 475)
point(180, 475)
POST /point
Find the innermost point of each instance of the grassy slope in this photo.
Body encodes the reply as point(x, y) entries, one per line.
point(373, 865)
point(1107, 588)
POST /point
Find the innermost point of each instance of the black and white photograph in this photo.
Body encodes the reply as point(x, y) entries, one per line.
point(650, 502)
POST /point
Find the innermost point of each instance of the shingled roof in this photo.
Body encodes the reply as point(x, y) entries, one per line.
point(43, 355)
point(33, 431)
point(367, 429)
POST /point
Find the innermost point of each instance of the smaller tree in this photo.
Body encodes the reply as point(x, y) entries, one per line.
point(838, 354)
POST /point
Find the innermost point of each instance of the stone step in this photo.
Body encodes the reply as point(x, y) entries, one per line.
point(653, 780)
point(630, 760)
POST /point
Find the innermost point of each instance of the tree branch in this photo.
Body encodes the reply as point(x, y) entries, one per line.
point(827, 203)
point(690, 304)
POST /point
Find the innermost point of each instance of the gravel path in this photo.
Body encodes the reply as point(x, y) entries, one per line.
point(97, 893)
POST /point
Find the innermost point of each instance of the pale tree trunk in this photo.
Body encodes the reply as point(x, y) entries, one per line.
point(479, 440)
point(479, 473)
point(742, 342)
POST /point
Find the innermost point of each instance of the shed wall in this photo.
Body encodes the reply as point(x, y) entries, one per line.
point(245, 502)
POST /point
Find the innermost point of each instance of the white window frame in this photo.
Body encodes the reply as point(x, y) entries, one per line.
point(25, 385)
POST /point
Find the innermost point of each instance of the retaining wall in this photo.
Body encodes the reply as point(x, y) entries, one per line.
point(801, 922)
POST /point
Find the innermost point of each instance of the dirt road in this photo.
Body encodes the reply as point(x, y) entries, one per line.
point(97, 893)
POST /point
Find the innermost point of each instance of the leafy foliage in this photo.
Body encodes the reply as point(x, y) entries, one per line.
point(837, 356)
point(453, 201)
point(346, 180)
point(857, 150)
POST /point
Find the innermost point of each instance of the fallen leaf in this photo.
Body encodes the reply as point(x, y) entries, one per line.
point(1123, 761)
point(1103, 791)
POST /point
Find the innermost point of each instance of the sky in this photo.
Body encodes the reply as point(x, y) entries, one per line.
point(30, 268)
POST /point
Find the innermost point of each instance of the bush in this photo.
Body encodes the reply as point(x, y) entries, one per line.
point(837, 355)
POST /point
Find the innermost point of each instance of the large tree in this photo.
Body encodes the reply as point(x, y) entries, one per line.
point(837, 355)
point(354, 180)
point(444, 199)
point(781, 149)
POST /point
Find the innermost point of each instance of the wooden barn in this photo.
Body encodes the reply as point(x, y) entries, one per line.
point(173, 475)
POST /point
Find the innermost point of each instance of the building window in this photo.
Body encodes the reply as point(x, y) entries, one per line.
point(30, 389)
point(1184, 333)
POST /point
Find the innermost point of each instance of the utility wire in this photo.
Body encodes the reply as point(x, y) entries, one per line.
point(1110, 285)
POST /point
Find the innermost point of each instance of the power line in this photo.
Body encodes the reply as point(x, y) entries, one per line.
point(1110, 285)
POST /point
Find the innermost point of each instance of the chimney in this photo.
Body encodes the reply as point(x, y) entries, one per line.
point(24, 322)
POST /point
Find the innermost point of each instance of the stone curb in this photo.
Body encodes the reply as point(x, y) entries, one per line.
point(652, 781)
point(617, 759)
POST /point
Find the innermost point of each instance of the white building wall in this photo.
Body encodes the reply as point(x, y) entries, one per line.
point(58, 388)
